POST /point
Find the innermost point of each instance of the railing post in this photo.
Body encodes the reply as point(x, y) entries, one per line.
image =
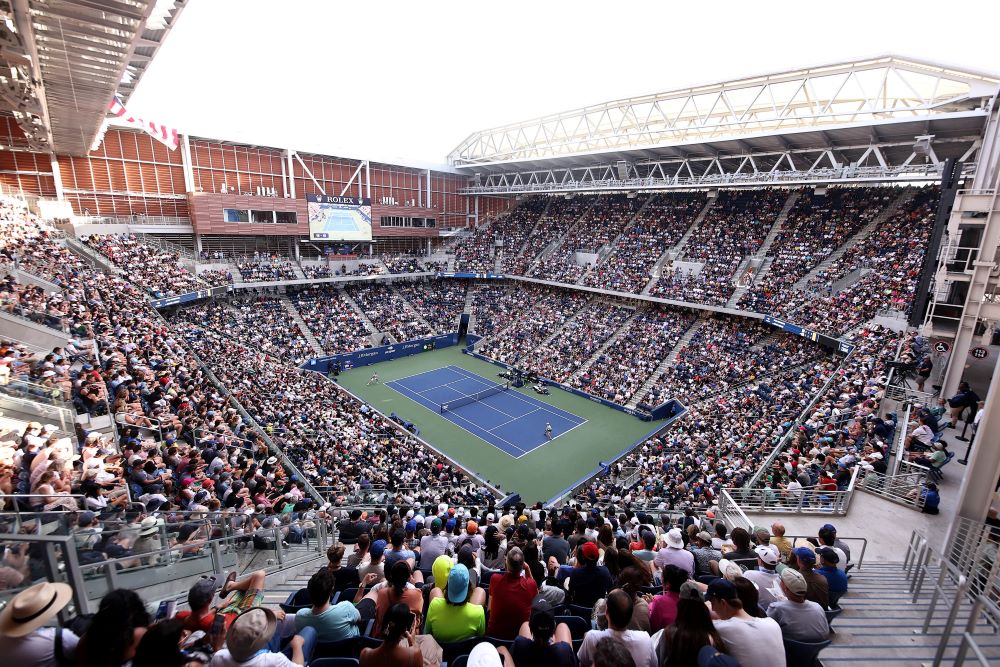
point(970, 627)
point(918, 583)
point(216, 556)
point(963, 585)
point(278, 552)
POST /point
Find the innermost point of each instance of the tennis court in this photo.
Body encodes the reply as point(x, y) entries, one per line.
point(509, 420)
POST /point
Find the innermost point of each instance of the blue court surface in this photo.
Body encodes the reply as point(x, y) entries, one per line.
point(509, 420)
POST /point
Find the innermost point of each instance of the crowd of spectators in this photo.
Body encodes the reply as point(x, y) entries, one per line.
point(725, 352)
point(549, 309)
point(495, 305)
point(816, 226)
point(598, 227)
point(657, 227)
point(322, 270)
point(259, 268)
point(440, 303)
point(889, 262)
point(216, 277)
point(388, 311)
point(734, 228)
point(260, 322)
point(416, 584)
point(411, 264)
point(622, 369)
point(156, 270)
point(558, 218)
point(331, 319)
point(578, 340)
point(336, 441)
point(505, 234)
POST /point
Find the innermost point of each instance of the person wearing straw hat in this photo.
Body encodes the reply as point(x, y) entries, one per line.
point(24, 640)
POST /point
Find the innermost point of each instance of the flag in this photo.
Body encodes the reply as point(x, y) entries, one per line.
point(165, 134)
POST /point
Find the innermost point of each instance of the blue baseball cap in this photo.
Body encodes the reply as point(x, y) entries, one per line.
point(411, 526)
point(377, 548)
point(458, 584)
point(721, 589)
point(450, 525)
point(805, 553)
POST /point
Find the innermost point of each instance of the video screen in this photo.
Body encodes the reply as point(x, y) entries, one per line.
point(333, 218)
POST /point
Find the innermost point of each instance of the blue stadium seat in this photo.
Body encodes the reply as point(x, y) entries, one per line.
point(803, 654)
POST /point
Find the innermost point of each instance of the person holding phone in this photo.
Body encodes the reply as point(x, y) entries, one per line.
point(398, 647)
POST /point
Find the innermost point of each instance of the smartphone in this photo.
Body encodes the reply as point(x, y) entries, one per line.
point(165, 610)
point(219, 625)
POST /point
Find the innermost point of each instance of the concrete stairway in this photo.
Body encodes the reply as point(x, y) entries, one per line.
point(667, 362)
point(376, 335)
point(881, 626)
point(514, 253)
point(558, 241)
point(608, 250)
point(615, 337)
point(293, 312)
point(675, 251)
point(778, 224)
point(297, 270)
point(416, 313)
point(865, 232)
point(548, 339)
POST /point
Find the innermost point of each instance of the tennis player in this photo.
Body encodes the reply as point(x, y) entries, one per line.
point(548, 431)
point(374, 379)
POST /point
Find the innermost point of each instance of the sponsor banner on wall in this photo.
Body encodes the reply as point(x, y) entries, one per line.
point(374, 355)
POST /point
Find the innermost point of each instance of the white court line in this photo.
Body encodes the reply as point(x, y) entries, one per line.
point(531, 400)
point(512, 420)
point(469, 421)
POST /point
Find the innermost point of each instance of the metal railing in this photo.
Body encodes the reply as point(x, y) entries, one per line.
point(807, 500)
point(968, 572)
point(131, 220)
point(59, 557)
point(981, 606)
point(903, 489)
point(38, 317)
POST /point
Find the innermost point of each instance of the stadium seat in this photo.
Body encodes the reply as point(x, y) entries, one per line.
point(452, 650)
point(346, 594)
point(578, 626)
point(803, 654)
point(347, 648)
point(832, 614)
point(334, 662)
point(580, 611)
point(506, 643)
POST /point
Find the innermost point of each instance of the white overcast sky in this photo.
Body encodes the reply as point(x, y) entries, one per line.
point(405, 82)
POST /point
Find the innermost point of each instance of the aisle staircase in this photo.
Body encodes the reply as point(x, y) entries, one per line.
point(615, 337)
point(293, 312)
point(862, 235)
point(376, 335)
point(558, 241)
point(416, 313)
point(667, 362)
point(605, 253)
point(674, 252)
point(880, 625)
point(779, 222)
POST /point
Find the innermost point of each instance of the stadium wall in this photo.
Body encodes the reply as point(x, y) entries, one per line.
point(130, 173)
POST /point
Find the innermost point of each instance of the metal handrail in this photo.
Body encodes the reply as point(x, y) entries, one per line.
point(969, 642)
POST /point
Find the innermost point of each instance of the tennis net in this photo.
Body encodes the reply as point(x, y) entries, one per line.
point(472, 398)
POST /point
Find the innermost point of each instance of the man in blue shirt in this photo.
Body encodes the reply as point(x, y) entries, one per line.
point(332, 622)
point(835, 577)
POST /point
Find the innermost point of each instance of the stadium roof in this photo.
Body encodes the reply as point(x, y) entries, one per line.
point(67, 59)
point(876, 102)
